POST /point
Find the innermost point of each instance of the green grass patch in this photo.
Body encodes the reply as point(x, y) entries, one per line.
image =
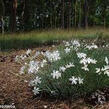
point(38, 38)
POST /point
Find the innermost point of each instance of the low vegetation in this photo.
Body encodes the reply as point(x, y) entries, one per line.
point(38, 38)
point(73, 69)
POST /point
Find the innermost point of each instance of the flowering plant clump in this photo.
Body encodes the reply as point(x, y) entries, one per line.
point(70, 70)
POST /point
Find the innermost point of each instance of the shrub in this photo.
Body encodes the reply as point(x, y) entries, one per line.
point(73, 69)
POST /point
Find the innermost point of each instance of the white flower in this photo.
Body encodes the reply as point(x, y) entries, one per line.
point(36, 91)
point(53, 92)
point(80, 80)
point(107, 45)
point(45, 106)
point(85, 67)
point(37, 80)
point(67, 44)
point(22, 70)
point(76, 43)
point(73, 80)
point(37, 53)
point(70, 65)
point(81, 55)
point(83, 61)
point(98, 70)
point(67, 50)
point(17, 58)
point(106, 67)
point(62, 69)
point(28, 52)
point(106, 60)
point(43, 63)
point(52, 56)
point(34, 82)
point(106, 72)
point(23, 57)
point(33, 67)
point(88, 61)
point(93, 46)
point(56, 74)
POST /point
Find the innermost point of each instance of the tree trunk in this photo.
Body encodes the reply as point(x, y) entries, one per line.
point(75, 13)
point(79, 24)
point(104, 16)
point(86, 14)
point(51, 22)
point(63, 14)
point(2, 24)
point(13, 8)
point(22, 15)
point(1, 16)
point(104, 22)
point(69, 19)
point(27, 15)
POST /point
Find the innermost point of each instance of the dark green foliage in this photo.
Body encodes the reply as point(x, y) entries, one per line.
point(62, 86)
point(45, 14)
